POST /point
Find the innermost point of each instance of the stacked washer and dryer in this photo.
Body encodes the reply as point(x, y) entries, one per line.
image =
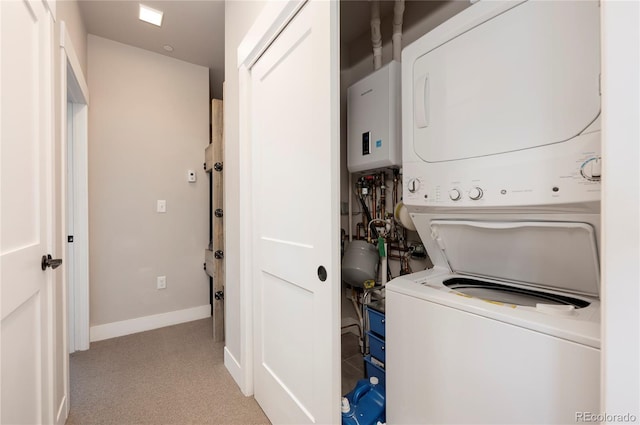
point(501, 163)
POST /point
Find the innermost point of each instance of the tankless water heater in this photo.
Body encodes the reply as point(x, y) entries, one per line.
point(373, 121)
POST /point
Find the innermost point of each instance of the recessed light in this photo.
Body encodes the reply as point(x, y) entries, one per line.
point(168, 48)
point(150, 15)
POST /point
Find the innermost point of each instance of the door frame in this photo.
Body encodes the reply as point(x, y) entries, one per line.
point(271, 21)
point(74, 89)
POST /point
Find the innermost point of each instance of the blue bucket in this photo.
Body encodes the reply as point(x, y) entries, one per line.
point(365, 404)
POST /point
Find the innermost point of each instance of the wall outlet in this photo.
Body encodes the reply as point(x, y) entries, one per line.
point(191, 176)
point(161, 282)
point(161, 206)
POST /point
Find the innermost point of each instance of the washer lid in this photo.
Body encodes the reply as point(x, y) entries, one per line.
point(558, 255)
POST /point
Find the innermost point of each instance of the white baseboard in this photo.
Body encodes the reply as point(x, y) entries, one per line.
point(234, 368)
point(147, 323)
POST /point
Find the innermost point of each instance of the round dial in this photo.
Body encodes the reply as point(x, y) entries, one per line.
point(413, 185)
point(591, 169)
point(475, 193)
point(454, 194)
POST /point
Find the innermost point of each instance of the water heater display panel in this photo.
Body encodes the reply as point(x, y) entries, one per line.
point(366, 143)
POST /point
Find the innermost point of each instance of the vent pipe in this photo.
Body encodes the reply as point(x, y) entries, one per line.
point(398, 12)
point(376, 35)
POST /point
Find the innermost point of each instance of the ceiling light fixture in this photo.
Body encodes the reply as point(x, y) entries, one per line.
point(150, 15)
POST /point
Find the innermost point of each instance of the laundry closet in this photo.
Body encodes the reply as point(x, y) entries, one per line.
point(379, 240)
point(470, 206)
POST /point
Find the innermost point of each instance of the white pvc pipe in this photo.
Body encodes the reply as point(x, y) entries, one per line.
point(396, 38)
point(376, 35)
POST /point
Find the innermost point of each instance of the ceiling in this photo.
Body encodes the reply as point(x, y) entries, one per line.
point(195, 29)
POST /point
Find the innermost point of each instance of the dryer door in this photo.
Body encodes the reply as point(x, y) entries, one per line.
point(524, 78)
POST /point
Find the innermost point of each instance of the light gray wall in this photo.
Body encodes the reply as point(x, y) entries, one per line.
point(148, 125)
point(239, 16)
point(69, 12)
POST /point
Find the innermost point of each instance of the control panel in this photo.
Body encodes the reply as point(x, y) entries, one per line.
point(555, 174)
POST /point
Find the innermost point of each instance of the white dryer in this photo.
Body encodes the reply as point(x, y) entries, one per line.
point(501, 163)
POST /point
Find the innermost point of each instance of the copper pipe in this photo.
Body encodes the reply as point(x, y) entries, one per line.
point(383, 195)
point(395, 190)
point(373, 200)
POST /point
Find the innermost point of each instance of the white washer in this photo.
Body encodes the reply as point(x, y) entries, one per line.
point(464, 347)
point(501, 164)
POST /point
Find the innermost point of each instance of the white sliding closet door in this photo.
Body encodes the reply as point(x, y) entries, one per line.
point(294, 104)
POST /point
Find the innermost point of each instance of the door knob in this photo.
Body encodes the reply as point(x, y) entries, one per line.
point(47, 261)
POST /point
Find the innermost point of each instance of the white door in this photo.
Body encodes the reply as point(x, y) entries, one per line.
point(26, 212)
point(295, 156)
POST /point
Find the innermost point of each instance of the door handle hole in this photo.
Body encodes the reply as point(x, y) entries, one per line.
point(322, 273)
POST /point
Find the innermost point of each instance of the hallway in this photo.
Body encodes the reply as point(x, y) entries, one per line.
point(173, 375)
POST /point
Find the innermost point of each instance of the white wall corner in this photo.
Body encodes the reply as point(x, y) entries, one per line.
point(246, 233)
point(238, 375)
point(147, 323)
point(74, 62)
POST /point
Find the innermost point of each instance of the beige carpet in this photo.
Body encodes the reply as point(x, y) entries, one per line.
point(173, 375)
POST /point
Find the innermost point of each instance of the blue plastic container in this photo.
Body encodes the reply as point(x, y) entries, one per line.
point(376, 322)
point(365, 404)
point(372, 369)
point(376, 347)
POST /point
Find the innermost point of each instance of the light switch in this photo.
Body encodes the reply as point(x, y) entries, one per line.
point(161, 206)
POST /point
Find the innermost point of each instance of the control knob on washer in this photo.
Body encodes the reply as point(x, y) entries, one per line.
point(413, 185)
point(591, 169)
point(454, 194)
point(475, 193)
